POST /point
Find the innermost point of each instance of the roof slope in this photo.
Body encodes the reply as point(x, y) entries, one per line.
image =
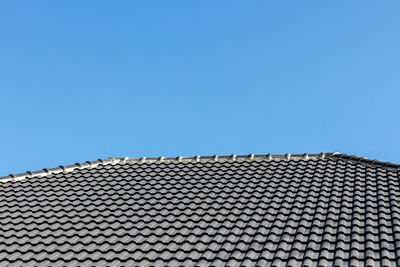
point(237, 210)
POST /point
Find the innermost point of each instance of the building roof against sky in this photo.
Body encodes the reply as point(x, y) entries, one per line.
point(312, 209)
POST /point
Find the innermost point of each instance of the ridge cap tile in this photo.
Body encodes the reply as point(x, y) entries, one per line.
point(197, 158)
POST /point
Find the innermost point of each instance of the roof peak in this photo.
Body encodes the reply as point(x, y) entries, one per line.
point(215, 158)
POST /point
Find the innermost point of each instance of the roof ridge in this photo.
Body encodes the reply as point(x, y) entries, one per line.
point(365, 160)
point(233, 157)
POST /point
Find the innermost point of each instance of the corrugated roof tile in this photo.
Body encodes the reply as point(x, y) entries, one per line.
point(330, 209)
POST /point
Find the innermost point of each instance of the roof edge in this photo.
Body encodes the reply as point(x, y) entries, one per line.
point(364, 160)
point(215, 158)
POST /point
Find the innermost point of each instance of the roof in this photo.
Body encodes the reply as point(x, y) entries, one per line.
point(314, 209)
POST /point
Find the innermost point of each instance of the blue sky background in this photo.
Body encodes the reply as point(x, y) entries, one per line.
point(82, 80)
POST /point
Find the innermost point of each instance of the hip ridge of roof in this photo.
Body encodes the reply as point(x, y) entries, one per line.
point(215, 158)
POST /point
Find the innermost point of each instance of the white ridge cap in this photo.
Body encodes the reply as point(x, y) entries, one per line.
point(180, 159)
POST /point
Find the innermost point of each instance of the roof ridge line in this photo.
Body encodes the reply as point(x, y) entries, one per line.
point(365, 160)
point(215, 158)
point(113, 160)
point(232, 157)
point(59, 169)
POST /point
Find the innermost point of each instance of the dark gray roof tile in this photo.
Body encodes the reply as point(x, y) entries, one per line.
point(288, 210)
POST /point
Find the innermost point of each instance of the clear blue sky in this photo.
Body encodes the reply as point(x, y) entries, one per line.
point(82, 80)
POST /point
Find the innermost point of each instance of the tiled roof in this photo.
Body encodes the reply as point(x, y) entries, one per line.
point(318, 209)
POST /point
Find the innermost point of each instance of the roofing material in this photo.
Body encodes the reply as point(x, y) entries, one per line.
point(311, 209)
